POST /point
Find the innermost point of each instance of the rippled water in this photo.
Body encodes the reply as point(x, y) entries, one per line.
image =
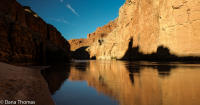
point(124, 83)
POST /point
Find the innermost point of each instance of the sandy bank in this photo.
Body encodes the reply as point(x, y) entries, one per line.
point(23, 83)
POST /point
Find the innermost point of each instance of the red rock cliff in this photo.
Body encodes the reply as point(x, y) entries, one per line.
point(25, 37)
point(150, 29)
point(100, 33)
point(80, 47)
point(153, 26)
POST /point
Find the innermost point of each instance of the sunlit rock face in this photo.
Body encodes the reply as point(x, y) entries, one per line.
point(142, 85)
point(78, 43)
point(80, 47)
point(173, 24)
point(103, 31)
point(100, 33)
point(25, 37)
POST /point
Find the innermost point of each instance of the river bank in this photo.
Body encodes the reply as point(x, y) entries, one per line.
point(23, 83)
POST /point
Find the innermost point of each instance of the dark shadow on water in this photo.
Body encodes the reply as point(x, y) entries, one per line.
point(164, 70)
point(82, 66)
point(162, 55)
point(135, 68)
point(56, 75)
point(131, 76)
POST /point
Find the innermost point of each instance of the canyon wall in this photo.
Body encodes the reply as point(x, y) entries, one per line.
point(80, 47)
point(26, 38)
point(144, 27)
point(101, 32)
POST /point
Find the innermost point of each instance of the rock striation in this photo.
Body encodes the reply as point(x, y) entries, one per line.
point(145, 27)
point(153, 29)
point(78, 43)
point(26, 38)
point(79, 47)
point(100, 33)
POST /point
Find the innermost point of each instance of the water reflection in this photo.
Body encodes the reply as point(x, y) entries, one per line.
point(164, 70)
point(130, 83)
point(55, 76)
point(81, 65)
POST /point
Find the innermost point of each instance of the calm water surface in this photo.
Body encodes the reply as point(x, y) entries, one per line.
point(124, 83)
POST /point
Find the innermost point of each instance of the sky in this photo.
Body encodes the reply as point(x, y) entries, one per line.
point(75, 18)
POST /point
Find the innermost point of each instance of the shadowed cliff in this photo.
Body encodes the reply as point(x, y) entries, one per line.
point(26, 38)
point(81, 53)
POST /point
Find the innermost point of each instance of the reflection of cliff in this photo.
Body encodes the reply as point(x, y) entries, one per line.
point(182, 87)
point(55, 76)
point(131, 85)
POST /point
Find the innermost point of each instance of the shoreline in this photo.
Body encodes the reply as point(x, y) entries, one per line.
point(25, 84)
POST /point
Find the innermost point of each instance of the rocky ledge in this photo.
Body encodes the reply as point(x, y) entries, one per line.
point(26, 38)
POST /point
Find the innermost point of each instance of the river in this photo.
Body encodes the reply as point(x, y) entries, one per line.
point(124, 83)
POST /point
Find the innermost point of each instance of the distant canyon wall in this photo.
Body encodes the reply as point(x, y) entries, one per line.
point(80, 47)
point(100, 33)
point(148, 26)
point(25, 37)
